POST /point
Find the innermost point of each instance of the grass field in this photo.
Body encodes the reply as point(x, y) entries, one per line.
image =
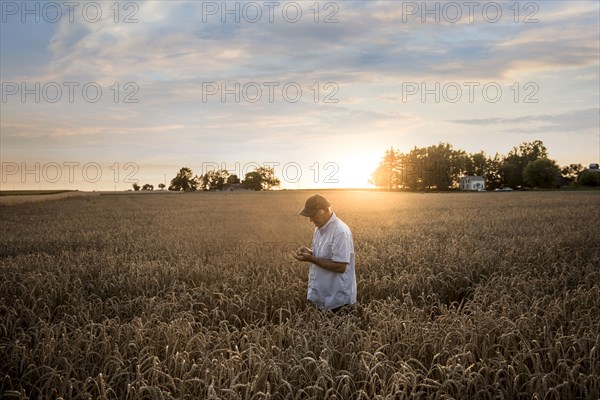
point(14, 197)
point(479, 296)
point(31, 192)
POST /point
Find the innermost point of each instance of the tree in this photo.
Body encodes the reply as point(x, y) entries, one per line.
point(517, 159)
point(184, 181)
point(269, 180)
point(479, 164)
point(387, 174)
point(262, 178)
point(589, 177)
point(136, 187)
point(382, 177)
point(213, 180)
point(161, 186)
point(233, 179)
point(571, 171)
point(410, 166)
point(252, 180)
point(493, 173)
point(148, 186)
point(475, 164)
point(441, 166)
point(541, 173)
point(436, 167)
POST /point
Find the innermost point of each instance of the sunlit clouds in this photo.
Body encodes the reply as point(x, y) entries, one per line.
point(176, 86)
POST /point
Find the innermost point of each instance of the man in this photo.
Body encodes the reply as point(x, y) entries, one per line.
point(331, 277)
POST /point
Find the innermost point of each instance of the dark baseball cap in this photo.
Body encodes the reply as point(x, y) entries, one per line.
point(313, 204)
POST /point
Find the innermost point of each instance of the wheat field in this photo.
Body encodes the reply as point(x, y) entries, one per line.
point(194, 296)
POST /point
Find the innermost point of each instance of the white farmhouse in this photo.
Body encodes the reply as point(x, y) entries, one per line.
point(472, 183)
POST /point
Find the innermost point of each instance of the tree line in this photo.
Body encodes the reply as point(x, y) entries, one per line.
point(440, 167)
point(262, 178)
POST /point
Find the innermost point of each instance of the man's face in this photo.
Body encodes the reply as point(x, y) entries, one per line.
point(320, 218)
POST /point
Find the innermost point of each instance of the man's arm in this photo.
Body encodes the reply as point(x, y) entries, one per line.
point(305, 254)
point(333, 266)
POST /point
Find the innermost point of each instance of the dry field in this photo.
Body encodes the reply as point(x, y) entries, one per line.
point(193, 296)
point(9, 197)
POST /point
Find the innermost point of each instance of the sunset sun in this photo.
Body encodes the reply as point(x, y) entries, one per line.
point(355, 170)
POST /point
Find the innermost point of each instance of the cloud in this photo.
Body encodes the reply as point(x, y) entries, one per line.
point(171, 51)
point(177, 41)
point(582, 121)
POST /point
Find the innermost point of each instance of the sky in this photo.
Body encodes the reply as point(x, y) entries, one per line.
point(101, 95)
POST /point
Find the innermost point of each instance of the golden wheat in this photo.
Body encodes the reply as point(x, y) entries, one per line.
point(483, 296)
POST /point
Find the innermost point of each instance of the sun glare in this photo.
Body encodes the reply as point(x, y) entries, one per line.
point(355, 170)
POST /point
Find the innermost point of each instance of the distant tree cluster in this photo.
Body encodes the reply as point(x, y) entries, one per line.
point(147, 187)
point(262, 178)
point(440, 167)
point(589, 177)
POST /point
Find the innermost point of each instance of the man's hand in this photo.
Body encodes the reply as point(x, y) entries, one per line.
point(302, 254)
point(305, 254)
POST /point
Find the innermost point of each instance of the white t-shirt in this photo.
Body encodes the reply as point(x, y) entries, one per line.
point(327, 289)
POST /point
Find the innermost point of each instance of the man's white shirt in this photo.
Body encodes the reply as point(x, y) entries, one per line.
point(327, 289)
